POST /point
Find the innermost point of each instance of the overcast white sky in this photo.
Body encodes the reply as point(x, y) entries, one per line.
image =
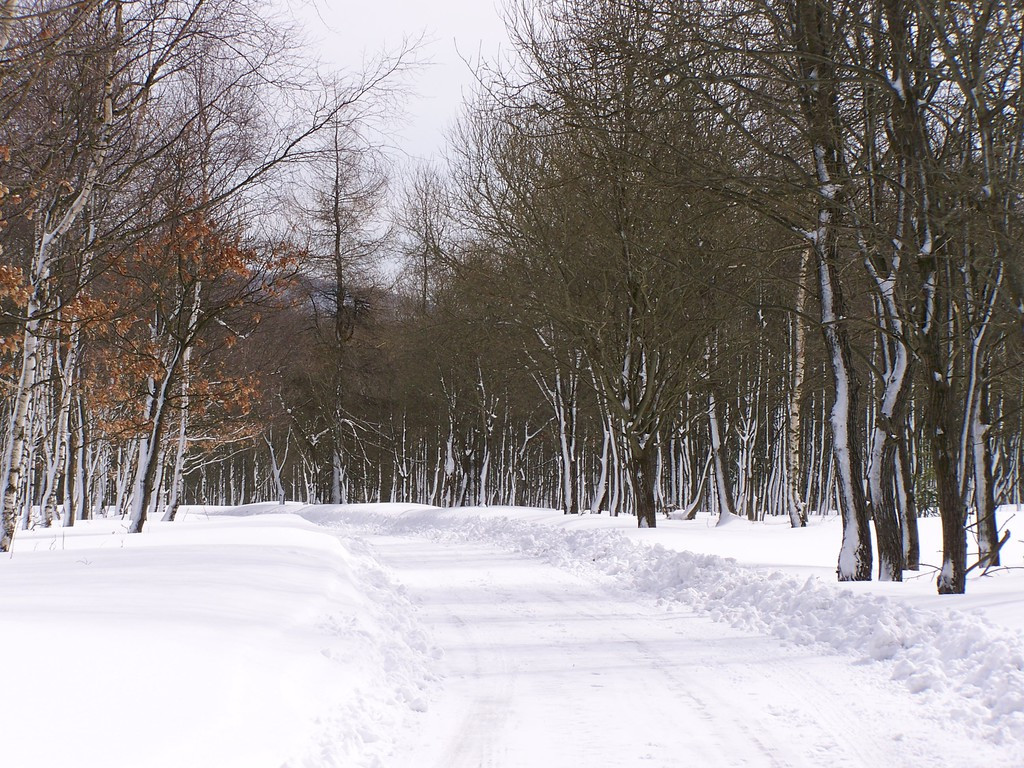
point(351, 31)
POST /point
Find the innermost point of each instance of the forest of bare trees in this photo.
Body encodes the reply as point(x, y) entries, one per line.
point(757, 257)
point(148, 150)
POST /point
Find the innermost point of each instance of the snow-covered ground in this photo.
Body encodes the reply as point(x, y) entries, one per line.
point(410, 637)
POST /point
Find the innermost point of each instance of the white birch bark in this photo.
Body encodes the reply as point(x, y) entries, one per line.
point(181, 444)
point(14, 454)
point(726, 511)
point(601, 487)
point(65, 370)
point(794, 425)
point(277, 466)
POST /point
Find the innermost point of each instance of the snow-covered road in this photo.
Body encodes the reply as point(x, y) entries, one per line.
point(396, 636)
point(547, 668)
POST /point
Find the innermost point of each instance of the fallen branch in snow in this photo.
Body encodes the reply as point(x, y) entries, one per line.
point(926, 570)
point(990, 556)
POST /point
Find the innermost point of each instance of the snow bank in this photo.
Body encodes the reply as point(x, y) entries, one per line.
point(382, 666)
point(973, 669)
point(212, 641)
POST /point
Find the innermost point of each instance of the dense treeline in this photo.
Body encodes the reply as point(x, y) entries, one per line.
point(146, 148)
point(758, 257)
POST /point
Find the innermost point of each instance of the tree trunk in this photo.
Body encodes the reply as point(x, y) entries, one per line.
point(643, 470)
point(601, 488)
point(71, 479)
point(149, 444)
point(855, 554)
point(818, 90)
point(563, 397)
point(984, 493)
point(337, 470)
point(953, 575)
point(908, 507)
point(941, 431)
point(726, 506)
point(884, 443)
point(14, 459)
point(794, 433)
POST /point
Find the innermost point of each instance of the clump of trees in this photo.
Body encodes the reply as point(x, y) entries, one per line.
point(145, 147)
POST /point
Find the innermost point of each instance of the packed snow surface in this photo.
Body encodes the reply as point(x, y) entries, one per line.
point(413, 637)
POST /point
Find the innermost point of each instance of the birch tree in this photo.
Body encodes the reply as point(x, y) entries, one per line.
point(56, 213)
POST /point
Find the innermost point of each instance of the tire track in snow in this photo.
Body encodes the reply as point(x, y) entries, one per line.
point(706, 706)
point(547, 669)
point(472, 743)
